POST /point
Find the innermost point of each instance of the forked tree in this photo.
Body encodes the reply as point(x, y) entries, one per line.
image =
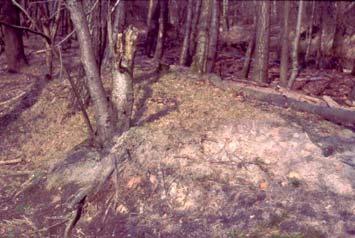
point(112, 114)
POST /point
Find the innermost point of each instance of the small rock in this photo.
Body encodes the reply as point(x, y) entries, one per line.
point(294, 178)
point(294, 175)
point(134, 182)
point(263, 185)
point(122, 209)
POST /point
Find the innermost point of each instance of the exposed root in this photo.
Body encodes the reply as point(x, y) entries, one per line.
point(75, 218)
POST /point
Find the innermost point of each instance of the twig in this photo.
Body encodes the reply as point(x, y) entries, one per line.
point(65, 38)
point(12, 99)
point(49, 227)
point(109, 204)
point(11, 161)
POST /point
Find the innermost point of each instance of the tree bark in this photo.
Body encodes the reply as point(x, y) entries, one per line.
point(225, 15)
point(213, 36)
point(104, 116)
point(187, 36)
point(322, 32)
point(250, 51)
point(260, 72)
point(295, 48)
point(340, 30)
point(200, 58)
point(97, 28)
point(163, 17)
point(284, 42)
point(152, 27)
point(14, 48)
point(308, 50)
point(249, 56)
point(194, 30)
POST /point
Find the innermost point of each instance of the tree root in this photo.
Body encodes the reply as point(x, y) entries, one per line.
point(75, 218)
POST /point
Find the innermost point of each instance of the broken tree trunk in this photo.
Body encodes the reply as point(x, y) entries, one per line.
point(122, 83)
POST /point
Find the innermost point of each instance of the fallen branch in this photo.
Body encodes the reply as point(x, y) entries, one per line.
point(16, 173)
point(294, 100)
point(13, 99)
point(331, 102)
point(11, 161)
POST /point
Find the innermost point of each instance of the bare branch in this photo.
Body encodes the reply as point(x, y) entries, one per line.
point(25, 12)
point(27, 29)
point(114, 6)
point(349, 7)
point(76, 93)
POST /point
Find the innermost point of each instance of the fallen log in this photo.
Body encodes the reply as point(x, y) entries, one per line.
point(289, 99)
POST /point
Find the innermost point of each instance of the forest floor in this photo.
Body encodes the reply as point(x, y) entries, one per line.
point(209, 163)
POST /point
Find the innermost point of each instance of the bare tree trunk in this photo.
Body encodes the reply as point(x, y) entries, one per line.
point(98, 28)
point(250, 51)
point(249, 56)
point(310, 31)
point(114, 26)
point(187, 36)
point(225, 15)
point(340, 30)
point(213, 36)
point(194, 30)
point(105, 119)
point(122, 84)
point(151, 9)
point(323, 14)
point(285, 46)
point(200, 59)
point(295, 48)
point(274, 10)
point(260, 72)
point(152, 27)
point(161, 33)
point(14, 49)
point(50, 28)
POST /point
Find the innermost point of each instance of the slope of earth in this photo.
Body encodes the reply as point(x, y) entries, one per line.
point(208, 164)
